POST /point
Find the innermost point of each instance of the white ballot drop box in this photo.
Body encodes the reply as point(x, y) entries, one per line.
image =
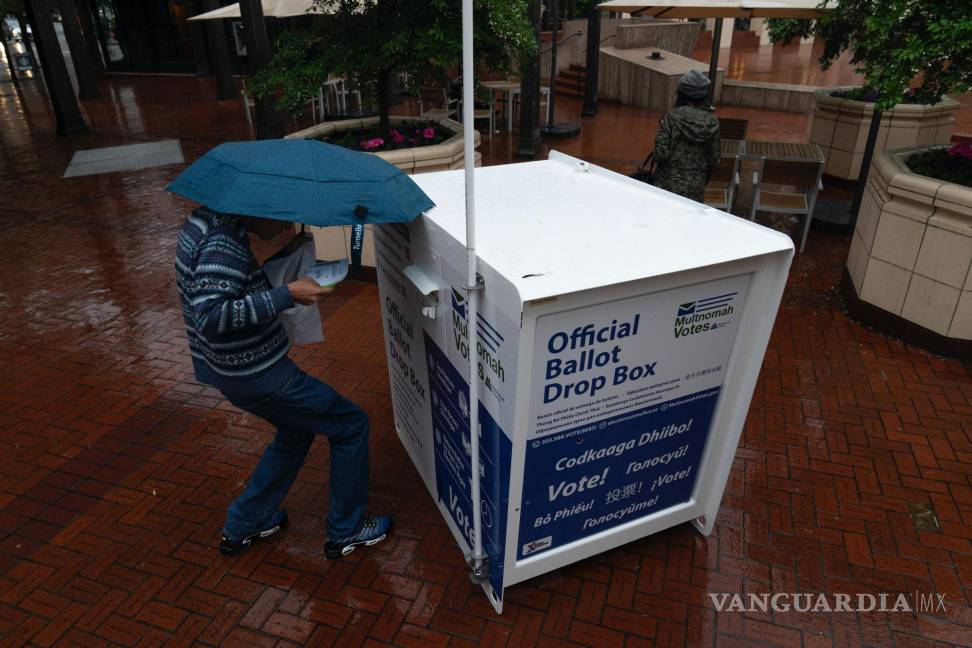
point(620, 334)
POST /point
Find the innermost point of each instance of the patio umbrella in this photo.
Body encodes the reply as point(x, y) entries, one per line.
point(719, 9)
point(807, 9)
point(271, 9)
point(302, 181)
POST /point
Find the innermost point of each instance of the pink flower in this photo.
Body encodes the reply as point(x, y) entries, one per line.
point(373, 143)
point(962, 149)
point(428, 133)
point(397, 137)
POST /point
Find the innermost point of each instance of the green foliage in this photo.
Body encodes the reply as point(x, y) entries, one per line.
point(951, 165)
point(11, 8)
point(786, 30)
point(582, 7)
point(896, 43)
point(368, 40)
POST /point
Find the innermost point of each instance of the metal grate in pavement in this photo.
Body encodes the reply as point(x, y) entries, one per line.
point(124, 158)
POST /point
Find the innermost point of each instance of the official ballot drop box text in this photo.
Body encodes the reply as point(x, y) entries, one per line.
point(621, 331)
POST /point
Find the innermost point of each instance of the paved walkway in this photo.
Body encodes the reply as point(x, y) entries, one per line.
point(116, 468)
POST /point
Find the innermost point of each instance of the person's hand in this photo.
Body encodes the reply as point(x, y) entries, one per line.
point(306, 291)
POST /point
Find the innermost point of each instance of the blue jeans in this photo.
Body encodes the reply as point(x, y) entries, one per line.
point(303, 408)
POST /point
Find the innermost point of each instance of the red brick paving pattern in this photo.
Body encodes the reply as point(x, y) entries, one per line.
point(116, 468)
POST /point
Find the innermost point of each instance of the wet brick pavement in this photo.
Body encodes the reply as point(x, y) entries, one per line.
point(116, 467)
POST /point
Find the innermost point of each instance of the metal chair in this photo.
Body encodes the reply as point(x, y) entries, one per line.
point(334, 93)
point(249, 103)
point(434, 103)
point(803, 175)
point(488, 113)
point(720, 191)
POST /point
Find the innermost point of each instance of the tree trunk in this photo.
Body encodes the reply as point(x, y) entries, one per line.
point(225, 88)
point(593, 61)
point(67, 113)
point(384, 103)
point(530, 92)
point(268, 124)
point(80, 56)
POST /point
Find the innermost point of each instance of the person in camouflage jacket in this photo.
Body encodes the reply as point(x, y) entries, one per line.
point(687, 143)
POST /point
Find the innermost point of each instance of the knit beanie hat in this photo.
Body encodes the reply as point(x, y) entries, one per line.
point(694, 84)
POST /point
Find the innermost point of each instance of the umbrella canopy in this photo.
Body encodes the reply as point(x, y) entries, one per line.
point(271, 9)
point(302, 181)
point(807, 9)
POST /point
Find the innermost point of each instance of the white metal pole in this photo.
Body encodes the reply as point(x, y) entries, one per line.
point(472, 292)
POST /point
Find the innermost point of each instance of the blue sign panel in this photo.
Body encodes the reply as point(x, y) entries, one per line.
point(587, 479)
point(449, 393)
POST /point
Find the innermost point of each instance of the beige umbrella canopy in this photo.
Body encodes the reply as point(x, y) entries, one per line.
point(719, 9)
point(271, 9)
point(806, 9)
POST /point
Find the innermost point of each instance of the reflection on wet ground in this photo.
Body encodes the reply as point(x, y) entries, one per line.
point(116, 467)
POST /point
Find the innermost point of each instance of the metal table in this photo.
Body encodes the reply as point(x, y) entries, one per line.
point(731, 147)
point(780, 150)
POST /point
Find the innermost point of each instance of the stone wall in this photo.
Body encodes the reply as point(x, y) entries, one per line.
point(671, 36)
point(911, 250)
point(629, 76)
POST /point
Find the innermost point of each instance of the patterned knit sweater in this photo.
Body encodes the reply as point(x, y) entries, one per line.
point(229, 307)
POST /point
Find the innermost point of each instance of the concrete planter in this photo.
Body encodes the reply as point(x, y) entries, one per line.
point(840, 126)
point(335, 242)
point(911, 253)
point(786, 97)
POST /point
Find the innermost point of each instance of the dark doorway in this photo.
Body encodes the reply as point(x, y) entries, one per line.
point(146, 35)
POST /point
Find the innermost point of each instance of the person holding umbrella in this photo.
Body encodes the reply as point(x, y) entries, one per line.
point(231, 314)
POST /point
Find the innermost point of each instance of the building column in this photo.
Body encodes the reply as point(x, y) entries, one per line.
point(80, 57)
point(199, 54)
point(268, 124)
point(67, 113)
point(90, 34)
point(219, 54)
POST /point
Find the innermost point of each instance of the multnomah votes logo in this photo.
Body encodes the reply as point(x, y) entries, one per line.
point(704, 315)
point(488, 343)
point(459, 303)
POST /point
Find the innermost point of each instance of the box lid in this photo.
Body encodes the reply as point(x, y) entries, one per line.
point(562, 225)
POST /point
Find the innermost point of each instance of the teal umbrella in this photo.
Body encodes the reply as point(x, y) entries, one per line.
point(302, 181)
